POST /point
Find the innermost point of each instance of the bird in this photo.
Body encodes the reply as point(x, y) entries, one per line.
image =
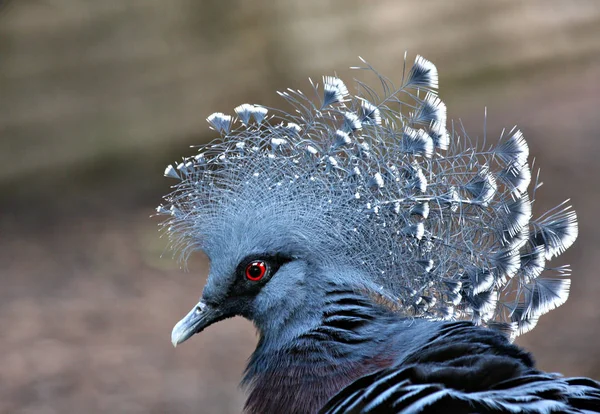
point(387, 259)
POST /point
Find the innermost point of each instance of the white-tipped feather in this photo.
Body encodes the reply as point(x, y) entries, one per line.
point(370, 113)
point(431, 110)
point(351, 122)
point(334, 91)
point(417, 141)
point(171, 172)
point(423, 74)
point(244, 113)
point(220, 122)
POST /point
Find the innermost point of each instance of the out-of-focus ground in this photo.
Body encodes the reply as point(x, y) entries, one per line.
point(96, 97)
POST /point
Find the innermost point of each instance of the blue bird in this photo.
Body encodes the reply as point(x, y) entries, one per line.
point(387, 260)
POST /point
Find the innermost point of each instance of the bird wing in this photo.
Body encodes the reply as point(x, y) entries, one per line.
point(466, 369)
point(420, 389)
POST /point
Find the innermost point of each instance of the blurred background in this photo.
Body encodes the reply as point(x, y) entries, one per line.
point(96, 97)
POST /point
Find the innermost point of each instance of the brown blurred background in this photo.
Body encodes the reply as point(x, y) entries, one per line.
point(97, 96)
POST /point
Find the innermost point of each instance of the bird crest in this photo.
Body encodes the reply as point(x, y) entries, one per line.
point(441, 224)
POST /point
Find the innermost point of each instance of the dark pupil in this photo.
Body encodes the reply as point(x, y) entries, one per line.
point(254, 271)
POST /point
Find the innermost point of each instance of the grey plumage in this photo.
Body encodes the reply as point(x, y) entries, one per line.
point(370, 196)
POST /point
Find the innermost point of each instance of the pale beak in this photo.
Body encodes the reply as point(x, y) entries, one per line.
point(201, 316)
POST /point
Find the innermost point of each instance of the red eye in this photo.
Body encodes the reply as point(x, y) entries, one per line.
point(256, 270)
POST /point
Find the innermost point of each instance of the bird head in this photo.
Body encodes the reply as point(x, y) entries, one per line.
point(271, 251)
point(258, 269)
point(369, 193)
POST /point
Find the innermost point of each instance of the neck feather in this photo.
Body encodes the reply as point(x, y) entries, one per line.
point(299, 374)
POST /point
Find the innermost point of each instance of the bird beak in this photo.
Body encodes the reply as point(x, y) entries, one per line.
point(201, 316)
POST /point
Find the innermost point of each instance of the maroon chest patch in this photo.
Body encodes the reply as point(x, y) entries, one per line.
point(306, 389)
